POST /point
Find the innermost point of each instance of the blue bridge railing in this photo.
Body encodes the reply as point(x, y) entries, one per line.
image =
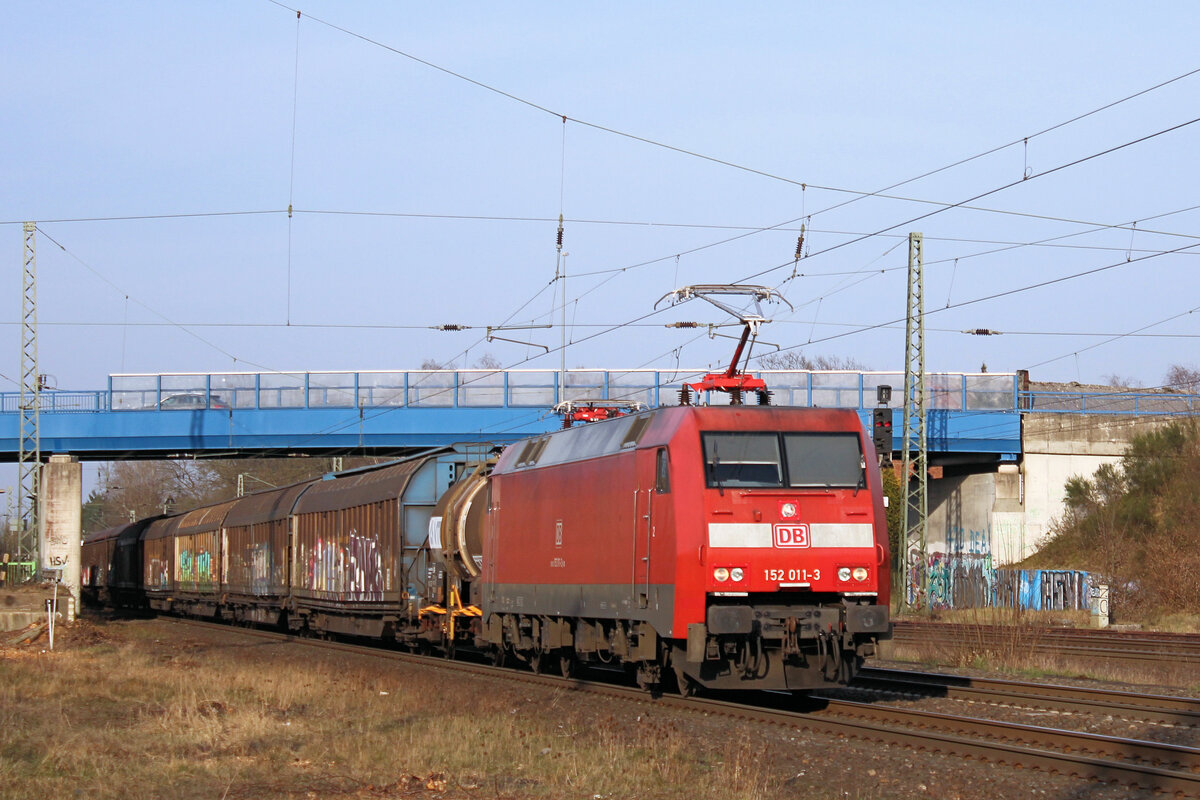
point(478, 388)
point(498, 389)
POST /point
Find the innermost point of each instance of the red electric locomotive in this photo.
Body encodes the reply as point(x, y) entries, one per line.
point(733, 547)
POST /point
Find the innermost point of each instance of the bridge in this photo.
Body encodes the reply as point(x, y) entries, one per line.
point(972, 416)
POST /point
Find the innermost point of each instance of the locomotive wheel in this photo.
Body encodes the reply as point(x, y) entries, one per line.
point(685, 685)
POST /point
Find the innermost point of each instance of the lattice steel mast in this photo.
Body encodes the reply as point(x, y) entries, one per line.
point(915, 467)
point(29, 454)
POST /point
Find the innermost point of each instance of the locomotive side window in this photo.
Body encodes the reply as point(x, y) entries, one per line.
point(824, 459)
point(742, 459)
point(662, 472)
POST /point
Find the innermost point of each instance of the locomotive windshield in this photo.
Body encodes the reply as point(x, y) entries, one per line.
point(742, 459)
point(810, 459)
point(824, 459)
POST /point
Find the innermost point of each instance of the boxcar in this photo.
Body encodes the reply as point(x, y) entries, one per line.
point(360, 563)
point(158, 563)
point(198, 560)
point(96, 559)
point(255, 543)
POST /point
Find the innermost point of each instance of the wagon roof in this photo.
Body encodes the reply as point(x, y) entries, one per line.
point(207, 518)
point(107, 533)
point(358, 489)
point(267, 506)
point(162, 528)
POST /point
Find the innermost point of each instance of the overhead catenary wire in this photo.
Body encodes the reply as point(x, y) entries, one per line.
point(383, 326)
point(683, 151)
point(1005, 293)
point(564, 118)
point(1116, 337)
point(359, 418)
point(153, 311)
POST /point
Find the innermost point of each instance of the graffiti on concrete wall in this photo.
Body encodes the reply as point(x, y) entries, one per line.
point(963, 576)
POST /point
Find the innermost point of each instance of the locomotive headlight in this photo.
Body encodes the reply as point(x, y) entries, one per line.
point(787, 510)
point(736, 573)
point(860, 574)
point(843, 573)
point(721, 574)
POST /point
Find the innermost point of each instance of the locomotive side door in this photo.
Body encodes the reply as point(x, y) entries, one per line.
point(652, 511)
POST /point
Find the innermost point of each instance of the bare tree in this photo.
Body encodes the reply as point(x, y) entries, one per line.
point(487, 361)
point(1183, 378)
point(1121, 381)
point(793, 359)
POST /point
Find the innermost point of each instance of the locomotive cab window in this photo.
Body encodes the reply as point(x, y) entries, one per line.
point(742, 459)
point(824, 459)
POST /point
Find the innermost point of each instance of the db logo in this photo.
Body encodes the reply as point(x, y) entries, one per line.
point(791, 535)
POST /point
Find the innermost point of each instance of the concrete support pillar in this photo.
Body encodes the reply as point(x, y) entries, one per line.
point(62, 523)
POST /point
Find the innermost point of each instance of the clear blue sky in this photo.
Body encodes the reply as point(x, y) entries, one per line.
point(165, 108)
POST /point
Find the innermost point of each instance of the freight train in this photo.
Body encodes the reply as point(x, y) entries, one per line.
point(732, 547)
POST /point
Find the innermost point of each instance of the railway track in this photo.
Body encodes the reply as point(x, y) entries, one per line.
point(1131, 762)
point(1041, 696)
point(1127, 647)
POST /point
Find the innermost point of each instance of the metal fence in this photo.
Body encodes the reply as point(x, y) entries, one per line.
point(15, 572)
point(1138, 403)
point(500, 389)
point(541, 388)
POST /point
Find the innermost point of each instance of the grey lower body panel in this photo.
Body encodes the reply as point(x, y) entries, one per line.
point(654, 603)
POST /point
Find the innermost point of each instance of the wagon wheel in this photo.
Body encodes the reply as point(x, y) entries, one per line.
point(567, 665)
point(499, 657)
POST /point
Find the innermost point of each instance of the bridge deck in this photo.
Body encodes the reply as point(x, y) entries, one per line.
point(389, 412)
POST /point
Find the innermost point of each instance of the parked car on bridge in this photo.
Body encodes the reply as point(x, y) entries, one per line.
point(191, 401)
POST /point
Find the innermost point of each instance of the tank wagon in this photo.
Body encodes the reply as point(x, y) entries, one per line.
point(731, 547)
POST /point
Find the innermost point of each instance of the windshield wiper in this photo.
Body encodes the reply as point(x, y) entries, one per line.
point(861, 483)
point(716, 469)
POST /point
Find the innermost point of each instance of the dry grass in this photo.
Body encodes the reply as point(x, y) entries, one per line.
point(116, 714)
point(1006, 616)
